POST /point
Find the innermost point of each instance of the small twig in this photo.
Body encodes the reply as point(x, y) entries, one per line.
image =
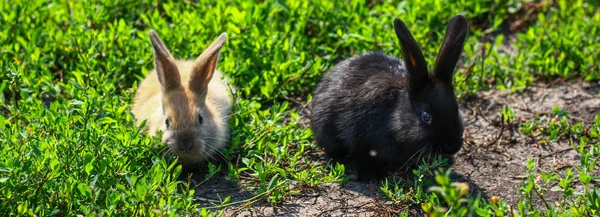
point(492, 103)
point(41, 183)
point(249, 201)
point(519, 177)
point(531, 8)
point(466, 137)
point(301, 75)
point(541, 197)
point(469, 69)
point(556, 152)
point(499, 134)
point(345, 208)
point(482, 114)
point(207, 200)
point(483, 57)
point(558, 168)
point(247, 204)
point(473, 111)
point(303, 106)
point(379, 203)
point(554, 82)
point(261, 135)
point(257, 200)
point(87, 67)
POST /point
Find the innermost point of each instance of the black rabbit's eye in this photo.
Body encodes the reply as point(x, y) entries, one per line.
point(167, 122)
point(200, 119)
point(426, 117)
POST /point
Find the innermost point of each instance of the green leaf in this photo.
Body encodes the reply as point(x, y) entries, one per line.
point(84, 190)
point(89, 166)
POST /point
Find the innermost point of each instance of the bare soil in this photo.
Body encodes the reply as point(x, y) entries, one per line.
point(492, 160)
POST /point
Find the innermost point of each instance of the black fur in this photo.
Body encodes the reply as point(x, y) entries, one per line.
point(366, 112)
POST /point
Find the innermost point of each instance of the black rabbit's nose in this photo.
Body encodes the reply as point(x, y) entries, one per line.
point(453, 146)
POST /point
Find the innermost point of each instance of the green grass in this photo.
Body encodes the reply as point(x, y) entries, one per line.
point(69, 144)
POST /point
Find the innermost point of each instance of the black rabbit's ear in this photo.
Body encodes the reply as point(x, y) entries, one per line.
point(413, 57)
point(454, 40)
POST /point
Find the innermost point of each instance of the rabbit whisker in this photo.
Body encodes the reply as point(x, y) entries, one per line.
point(164, 151)
point(418, 159)
point(214, 152)
point(217, 138)
point(429, 153)
point(210, 156)
point(409, 162)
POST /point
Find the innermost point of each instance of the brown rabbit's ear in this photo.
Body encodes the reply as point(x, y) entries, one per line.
point(413, 57)
point(204, 67)
point(168, 74)
point(454, 40)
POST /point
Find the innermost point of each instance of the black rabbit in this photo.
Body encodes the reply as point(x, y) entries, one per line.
point(377, 114)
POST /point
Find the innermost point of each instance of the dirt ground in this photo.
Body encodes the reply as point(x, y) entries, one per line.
point(491, 161)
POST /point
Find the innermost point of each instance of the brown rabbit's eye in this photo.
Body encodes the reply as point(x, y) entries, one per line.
point(426, 117)
point(167, 122)
point(200, 119)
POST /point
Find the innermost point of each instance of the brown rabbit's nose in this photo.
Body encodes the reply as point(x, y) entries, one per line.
point(186, 144)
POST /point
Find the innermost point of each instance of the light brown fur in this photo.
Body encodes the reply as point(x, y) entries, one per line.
point(181, 101)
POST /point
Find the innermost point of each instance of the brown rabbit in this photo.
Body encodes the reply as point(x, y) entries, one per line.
point(182, 99)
